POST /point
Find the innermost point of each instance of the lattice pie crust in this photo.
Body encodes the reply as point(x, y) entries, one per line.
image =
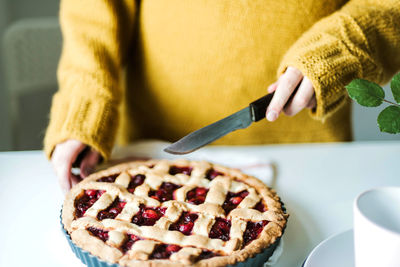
point(180, 212)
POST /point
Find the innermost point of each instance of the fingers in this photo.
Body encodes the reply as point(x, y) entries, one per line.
point(287, 98)
point(74, 179)
point(312, 103)
point(286, 85)
point(301, 99)
point(63, 174)
point(63, 156)
point(272, 87)
point(89, 163)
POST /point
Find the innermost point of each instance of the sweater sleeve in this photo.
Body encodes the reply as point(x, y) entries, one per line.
point(96, 36)
point(361, 40)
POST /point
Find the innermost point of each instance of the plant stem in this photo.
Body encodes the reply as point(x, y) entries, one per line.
point(390, 102)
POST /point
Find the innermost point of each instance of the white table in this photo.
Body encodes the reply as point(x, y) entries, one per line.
point(317, 183)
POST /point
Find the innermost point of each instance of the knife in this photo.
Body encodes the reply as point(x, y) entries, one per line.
point(239, 120)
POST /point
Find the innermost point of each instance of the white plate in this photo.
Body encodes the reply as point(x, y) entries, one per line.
point(335, 251)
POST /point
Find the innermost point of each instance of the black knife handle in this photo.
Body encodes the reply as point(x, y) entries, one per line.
point(259, 107)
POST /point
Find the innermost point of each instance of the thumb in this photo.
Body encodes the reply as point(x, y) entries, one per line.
point(63, 156)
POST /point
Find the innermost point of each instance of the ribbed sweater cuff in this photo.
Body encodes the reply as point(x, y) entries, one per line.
point(329, 64)
point(93, 121)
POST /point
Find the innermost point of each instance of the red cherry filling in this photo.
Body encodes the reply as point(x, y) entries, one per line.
point(103, 235)
point(260, 207)
point(148, 215)
point(164, 251)
point(83, 203)
point(112, 211)
point(253, 230)
point(108, 179)
point(127, 245)
point(175, 170)
point(220, 229)
point(232, 200)
point(197, 195)
point(211, 174)
point(165, 192)
point(135, 182)
point(185, 223)
point(161, 251)
point(206, 254)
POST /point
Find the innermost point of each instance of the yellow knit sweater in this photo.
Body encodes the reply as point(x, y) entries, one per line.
point(160, 69)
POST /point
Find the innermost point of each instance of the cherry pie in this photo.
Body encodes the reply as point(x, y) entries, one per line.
point(173, 213)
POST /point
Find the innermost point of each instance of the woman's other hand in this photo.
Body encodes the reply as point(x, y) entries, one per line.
point(65, 155)
point(287, 98)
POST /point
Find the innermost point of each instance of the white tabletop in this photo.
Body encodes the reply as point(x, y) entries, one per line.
point(317, 183)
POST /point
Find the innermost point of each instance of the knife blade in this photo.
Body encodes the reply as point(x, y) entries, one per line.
point(239, 120)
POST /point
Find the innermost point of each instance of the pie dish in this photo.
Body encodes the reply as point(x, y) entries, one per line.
point(180, 212)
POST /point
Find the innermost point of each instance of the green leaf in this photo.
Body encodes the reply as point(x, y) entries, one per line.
point(366, 93)
point(389, 120)
point(395, 86)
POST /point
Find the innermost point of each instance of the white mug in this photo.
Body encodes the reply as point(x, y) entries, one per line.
point(377, 228)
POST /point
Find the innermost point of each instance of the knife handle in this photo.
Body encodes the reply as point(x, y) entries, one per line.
point(259, 107)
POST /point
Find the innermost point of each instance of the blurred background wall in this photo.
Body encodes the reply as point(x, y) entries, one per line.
point(30, 44)
point(23, 108)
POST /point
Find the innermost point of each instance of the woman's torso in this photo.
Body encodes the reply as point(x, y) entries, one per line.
point(194, 62)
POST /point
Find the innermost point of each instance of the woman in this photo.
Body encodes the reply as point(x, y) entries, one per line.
point(161, 69)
